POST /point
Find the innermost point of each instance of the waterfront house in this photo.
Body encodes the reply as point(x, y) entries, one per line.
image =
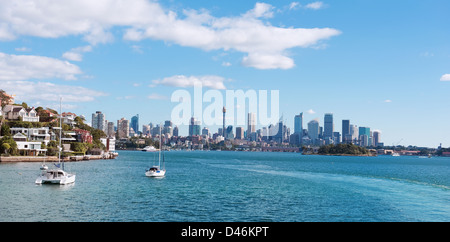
point(33, 134)
point(69, 118)
point(83, 136)
point(30, 148)
point(13, 112)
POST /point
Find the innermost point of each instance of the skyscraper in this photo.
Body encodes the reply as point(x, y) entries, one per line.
point(123, 128)
point(328, 126)
point(99, 121)
point(364, 135)
point(298, 124)
point(175, 131)
point(194, 127)
point(135, 123)
point(376, 137)
point(313, 130)
point(345, 131)
point(298, 128)
point(167, 129)
point(110, 130)
point(239, 133)
point(251, 124)
point(229, 132)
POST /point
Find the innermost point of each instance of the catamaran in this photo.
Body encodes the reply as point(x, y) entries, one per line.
point(56, 175)
point(156, 171)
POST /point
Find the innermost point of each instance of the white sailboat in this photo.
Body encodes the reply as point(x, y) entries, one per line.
point(156, 171)
point(56, 175)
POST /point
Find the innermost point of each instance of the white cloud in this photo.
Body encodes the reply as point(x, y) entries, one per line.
point(23, 67)
point(311, 111)
point(143, 19)
point(225, 63)
point(49, 92)
point(214, 82)
point(263, 10)
point(315, 5)
point(23, 49)
point(445, 77)
point(156, 96)
point(75, 54)
point(294, 5)
point(387, 101)
point(263, 61)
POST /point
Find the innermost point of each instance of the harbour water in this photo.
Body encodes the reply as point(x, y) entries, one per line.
point(233, 187)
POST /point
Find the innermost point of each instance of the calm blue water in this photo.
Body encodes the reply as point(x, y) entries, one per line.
point(233, 186)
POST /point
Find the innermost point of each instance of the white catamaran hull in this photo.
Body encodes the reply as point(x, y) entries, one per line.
point(159, 173)
point(49, 178)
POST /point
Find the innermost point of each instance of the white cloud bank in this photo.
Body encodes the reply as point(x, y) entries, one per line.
point(265, 45)
point(23, 67)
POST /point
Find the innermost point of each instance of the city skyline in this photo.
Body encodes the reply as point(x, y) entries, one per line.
point(383, 65)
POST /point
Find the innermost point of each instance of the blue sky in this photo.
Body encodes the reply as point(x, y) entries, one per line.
point(381, 64)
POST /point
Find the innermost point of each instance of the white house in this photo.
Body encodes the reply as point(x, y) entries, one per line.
point(31, 148)
point(13, 112)
point(34, 134)
point(30, 115)
point(69, 118)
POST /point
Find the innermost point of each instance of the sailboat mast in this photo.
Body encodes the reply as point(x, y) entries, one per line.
point(160, 147)
point(60, 131)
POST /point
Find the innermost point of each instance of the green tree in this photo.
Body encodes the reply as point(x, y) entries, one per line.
point(6, 147)
point(5, 130)
point(12, 145)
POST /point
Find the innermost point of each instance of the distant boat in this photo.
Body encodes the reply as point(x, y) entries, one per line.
point(56, 175)
point(395, 154)
point(156, 171)
point(149, 149)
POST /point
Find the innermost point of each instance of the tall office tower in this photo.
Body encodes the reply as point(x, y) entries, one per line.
point(364, 134)
point(194, 127)
point(175, 131)
point(313, 130)
point(123, 128)
point(345, 131)
point(251, 124)
point(354, 132)
point(229, 132)
point(280, 135)
point(239, 133)
point(223, 127)
point(376, 137)
point(298, 128)
point(328, 126)
point(191, 126)
point(298, 124)
point(364, 131)
point(99, 121)
point(205, 131)
point(167, 129)
point(145, 129)
point(110, 130)
point(336, 138)
point(135, 123)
